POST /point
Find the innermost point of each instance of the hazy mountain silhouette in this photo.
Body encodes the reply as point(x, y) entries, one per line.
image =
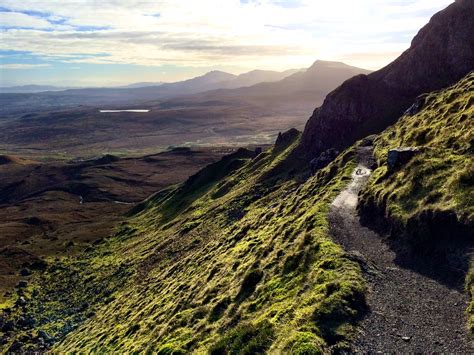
point(32, 98)
point(298, 92)
point(142, 84)
point(20, 89)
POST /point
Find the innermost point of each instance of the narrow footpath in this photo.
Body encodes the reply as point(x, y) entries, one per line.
point(408, 311)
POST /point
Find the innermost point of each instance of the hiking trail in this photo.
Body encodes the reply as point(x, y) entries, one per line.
point(410, 309)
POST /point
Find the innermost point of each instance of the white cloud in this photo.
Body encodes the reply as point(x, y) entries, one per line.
point(226, 32)
point(23, 66)
point(16, 19)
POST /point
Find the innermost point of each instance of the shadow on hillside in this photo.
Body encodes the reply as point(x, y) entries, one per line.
point(440, 252)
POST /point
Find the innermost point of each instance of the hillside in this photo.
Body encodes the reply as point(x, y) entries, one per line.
point(60, 207)
point(428, 203)
point(208, 265)
point(419, 204)
point(297, 249)
point(432, 195)
point(239, 256)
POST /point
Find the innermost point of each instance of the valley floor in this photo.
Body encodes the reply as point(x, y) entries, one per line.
point(60, 208)
point(412, 308)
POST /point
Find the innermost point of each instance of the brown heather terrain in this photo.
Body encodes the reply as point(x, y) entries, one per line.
point(88, 133)
point(40, 210)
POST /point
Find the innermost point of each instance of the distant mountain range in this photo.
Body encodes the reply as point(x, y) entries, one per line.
point(25, 89)
point(214, 79)
point(299, 92)
point(29, 89)
point(255, 77)
point(309, 85)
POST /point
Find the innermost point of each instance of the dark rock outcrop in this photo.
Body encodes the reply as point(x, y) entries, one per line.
point(417, 106)
point(286, 138)
point(25, 272)
point(440, 54)
point(369, 140)
point(22, 284)
point(400, 156)
point(4, 159)
point(323, 160)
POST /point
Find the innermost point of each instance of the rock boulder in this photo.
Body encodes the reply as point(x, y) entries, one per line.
point(400, 156)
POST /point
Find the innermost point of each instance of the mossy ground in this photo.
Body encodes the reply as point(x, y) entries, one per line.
point(244, 265)
point(437, 181)
point(441, 177)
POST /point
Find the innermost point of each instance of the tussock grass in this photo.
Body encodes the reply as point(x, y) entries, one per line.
point(244, 265)
point(441, 177)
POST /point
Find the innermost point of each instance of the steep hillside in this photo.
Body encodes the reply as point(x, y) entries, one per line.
point(431, 197)
point(236, 258)
point(239, 258)
point(440, 54)
point(242, 257)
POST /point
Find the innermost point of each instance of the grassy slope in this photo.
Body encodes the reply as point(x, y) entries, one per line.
point(243, 263)
point(440, 178)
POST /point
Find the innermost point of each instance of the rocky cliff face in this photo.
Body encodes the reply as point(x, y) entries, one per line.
point(440, 54)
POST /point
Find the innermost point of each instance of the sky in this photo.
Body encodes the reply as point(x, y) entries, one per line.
point(116, 42)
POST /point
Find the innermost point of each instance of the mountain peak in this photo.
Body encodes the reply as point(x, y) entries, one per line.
point(218, 73)
point(326, 64)
point(320, 62)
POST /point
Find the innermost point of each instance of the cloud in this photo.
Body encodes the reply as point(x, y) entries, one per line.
point(263, 33)
point(23, 66)
point(20, 20)
point(31, 20)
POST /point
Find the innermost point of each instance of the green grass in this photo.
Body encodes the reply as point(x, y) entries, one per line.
point(237, 260)
point(239, 263)
point(245, 339)
point(441, 177)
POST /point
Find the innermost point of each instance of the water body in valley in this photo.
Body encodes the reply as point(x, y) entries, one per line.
point(113, 111)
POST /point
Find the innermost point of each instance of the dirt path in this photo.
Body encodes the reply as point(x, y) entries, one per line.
point(408, 310)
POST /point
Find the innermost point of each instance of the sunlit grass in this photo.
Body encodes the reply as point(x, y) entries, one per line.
point(237, 255)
